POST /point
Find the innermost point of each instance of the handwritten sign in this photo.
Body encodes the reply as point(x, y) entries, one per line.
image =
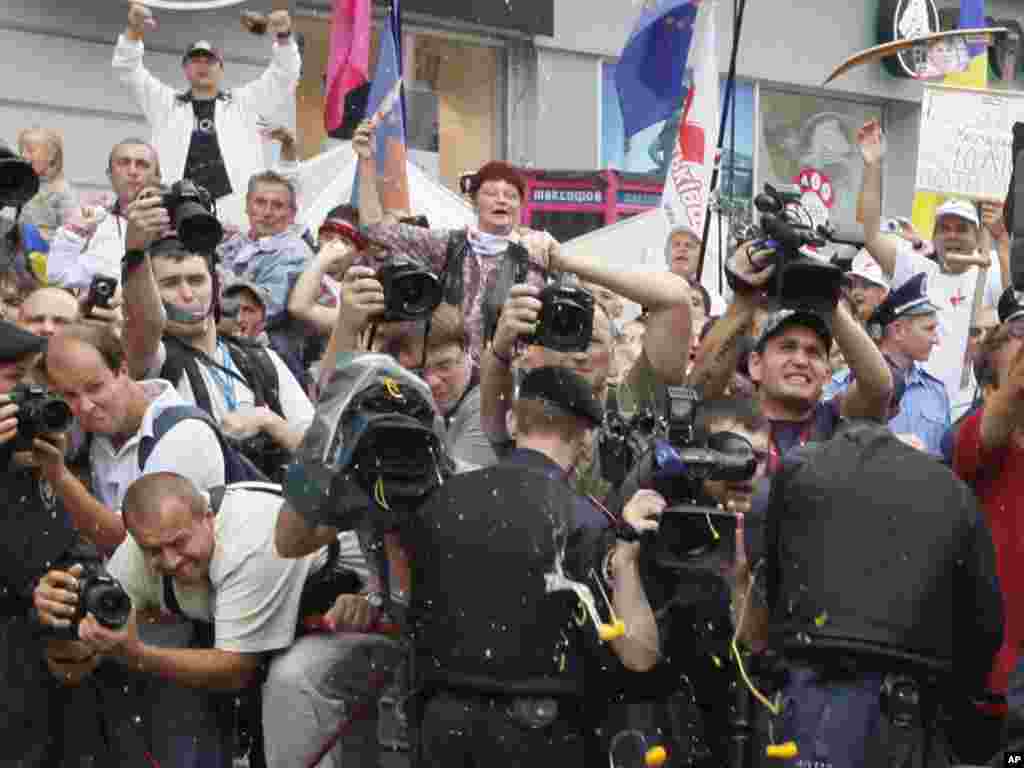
point(966, 142)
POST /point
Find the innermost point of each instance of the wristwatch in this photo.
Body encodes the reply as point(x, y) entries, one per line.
point(375, 599)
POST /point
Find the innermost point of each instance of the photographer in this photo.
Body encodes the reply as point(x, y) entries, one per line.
point(38, 674)
point(245, 387)
point(210, 559)
point(687, 698)
point(205, 134)
point(507, 663)
point(92, 241)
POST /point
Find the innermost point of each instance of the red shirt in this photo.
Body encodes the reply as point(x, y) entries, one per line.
point(998, 480)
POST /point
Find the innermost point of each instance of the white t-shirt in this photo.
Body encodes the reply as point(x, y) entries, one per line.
point(297, 408)
point(954, 296)
point(189, 448)
point(252, 595)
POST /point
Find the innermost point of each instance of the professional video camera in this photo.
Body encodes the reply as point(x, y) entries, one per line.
point(39, 412)
point(192, 213)
point(664, 454)
point(411, 291)
point(800, 281)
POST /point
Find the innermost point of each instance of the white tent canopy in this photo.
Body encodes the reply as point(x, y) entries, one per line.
point(638, 244)
point(325, 181)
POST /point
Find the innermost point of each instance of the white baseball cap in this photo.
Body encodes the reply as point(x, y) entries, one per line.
point(960, 208)
point(866, 267)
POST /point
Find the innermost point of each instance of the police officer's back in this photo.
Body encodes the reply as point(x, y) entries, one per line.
point(882, 596)
point(501, 633)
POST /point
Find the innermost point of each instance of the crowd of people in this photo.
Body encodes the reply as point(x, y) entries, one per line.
point(458, 502)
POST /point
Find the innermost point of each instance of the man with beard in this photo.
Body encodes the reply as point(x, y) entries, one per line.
point(92, 242)
point(963, 252)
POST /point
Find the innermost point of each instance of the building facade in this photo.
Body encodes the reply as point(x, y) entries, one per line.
point(531, 81)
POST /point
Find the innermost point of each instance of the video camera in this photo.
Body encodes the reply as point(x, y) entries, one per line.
point(800, 282)
point(663, 453)
point(193, 216)
point(39, 412)
point(411, 291)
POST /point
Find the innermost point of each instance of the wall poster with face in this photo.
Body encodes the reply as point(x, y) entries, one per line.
point(811, 142)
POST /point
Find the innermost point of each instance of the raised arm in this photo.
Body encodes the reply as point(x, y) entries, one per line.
point(371, 212)
point(882, 247)
point(1004, 410)
point(870, 395)
point(143, 310)
point(304, 300)
point(267, 93)
point(154, 97)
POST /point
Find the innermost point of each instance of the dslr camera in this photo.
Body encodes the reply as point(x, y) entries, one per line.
point(18, 182)
point(39, 412)
point(102, 595)
point(411, 291)
point(566, 319)
point(192, 215)
point(800, 282)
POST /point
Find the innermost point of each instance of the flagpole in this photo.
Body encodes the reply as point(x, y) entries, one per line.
point(730, 99)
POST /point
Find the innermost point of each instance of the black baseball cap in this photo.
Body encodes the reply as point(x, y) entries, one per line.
point(778, 321)
point(16, 343)
point(563, 389)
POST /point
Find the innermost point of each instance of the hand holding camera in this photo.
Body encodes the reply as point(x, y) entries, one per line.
point(362, 297)
point(8, 419)
point(643, 514)
point(148, 220)
point(68, 599)
point(70, 661)
point(518, 318)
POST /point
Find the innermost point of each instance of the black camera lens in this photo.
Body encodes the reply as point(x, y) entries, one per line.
point(18, 181)
point(418, 294)
point(198, 229)
point(105, 599)
point(55, 416)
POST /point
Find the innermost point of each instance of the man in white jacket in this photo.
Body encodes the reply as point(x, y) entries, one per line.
point(206, 134)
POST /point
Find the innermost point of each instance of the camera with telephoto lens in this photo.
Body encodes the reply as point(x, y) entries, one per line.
point(662, 453)
point(39, 412)
point(102, 595)
point(192, 215)
point(411, 291)
point(800, 282)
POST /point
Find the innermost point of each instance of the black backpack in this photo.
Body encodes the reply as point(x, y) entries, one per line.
point(237, 467)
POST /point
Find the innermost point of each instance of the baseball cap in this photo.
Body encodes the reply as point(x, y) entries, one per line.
point(959, 208)
point(867, 268)
point(16, 343)
point(259, 293)
point(780, 320)
point(563, 389)
point(202, 48)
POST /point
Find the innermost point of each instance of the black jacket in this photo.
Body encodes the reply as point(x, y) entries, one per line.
point(875, 548)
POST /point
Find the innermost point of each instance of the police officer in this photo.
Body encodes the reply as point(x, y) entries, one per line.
point(508, 606)
point(906, 327)
point(36, 530)
point(883, 604)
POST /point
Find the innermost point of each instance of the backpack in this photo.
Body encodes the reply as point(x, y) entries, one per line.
point(258, 373)
point(253, 361)
point(237, 467)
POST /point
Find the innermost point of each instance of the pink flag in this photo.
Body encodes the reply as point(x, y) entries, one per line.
point(349, 62)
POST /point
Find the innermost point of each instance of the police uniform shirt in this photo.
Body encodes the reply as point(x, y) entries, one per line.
point(924, 409)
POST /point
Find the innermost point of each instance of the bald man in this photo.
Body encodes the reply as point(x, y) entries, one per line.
point(46, 311)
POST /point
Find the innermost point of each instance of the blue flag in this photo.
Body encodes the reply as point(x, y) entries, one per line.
point(649, 75)
point(386, 104)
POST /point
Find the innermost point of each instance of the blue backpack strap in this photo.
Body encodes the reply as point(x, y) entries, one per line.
point(168, 419)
